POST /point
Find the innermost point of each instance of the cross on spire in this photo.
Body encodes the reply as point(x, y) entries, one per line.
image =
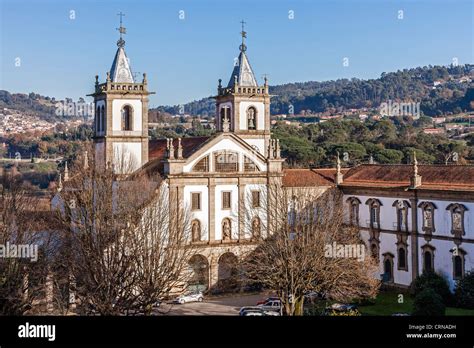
point(243, 47)
point(122, 30)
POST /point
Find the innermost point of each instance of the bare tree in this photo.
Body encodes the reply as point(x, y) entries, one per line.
point(304, 227)
point(25, 247)
point(126, 247)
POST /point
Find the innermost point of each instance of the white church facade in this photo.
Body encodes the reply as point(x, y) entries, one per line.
point(409, 225)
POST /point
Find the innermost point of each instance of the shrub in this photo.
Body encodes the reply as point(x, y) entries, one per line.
point(428, 302)
point(465, 291)
point(431, 280)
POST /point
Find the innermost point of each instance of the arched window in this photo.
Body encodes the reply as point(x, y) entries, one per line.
point(102, 118)
point(97, 119)
point(202, 165)
point(249, 165)
point(251, 118)
point(402, 258)
point(226, 161)
point(388, 268)
point(127, 118)
point(402, 214)
point(458, 267)
point(354, 203)
point(458, 262)
point(374, 210)
point(428, 258)
point(224, 115)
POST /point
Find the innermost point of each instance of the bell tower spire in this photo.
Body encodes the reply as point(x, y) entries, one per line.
point(121, 115)
point(243, 107)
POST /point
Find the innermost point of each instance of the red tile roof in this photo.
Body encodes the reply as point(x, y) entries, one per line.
point(157, 147)
point(307, 177)
point(437, 177)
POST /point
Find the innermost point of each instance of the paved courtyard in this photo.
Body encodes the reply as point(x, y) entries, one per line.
point(222, 305)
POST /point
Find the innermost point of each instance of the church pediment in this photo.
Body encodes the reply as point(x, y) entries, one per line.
point(223, 153)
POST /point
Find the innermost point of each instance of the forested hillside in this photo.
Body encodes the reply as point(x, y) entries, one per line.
point(452, 93)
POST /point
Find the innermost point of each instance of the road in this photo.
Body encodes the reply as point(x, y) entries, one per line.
point(228, 305)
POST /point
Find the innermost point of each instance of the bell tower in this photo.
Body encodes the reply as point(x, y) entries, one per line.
point(121, 115)
point(243, 107)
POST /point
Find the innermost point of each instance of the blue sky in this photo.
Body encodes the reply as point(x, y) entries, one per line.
point(184, 58)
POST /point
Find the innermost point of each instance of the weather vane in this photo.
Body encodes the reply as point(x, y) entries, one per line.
point(122, 30)
point(243, 48)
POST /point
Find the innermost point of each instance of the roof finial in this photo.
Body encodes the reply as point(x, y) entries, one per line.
point(122, 30)
point(66, 172)
point(243, 47)
point(415, 179)
point(415, 164)
point(60, 183)
point(339, 177)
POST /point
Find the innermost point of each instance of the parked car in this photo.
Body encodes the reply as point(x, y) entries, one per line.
point(271, 305)
point(197, 297)
point(257, 312)
point(266, 300)
point(341, 309)
point(311, 296)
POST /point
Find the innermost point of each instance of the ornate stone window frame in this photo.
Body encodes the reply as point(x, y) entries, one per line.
point(424, 208)
point(388, 257)
point(462, 255)
point(247, 116)
point(402, 207)
point(427, 248)
point(354, 204)
point(102, 119)
point(256, 198)
point(226, 195)
point(374, 203)
point(199, 208)
point(126, 122)
point(225, 110)
point(457, 208)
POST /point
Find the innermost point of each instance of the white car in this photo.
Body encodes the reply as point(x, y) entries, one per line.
point(189, 298)
point(268, 306)
point(257, 312)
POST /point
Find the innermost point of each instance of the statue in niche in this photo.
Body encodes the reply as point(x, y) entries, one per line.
point(196, 231)
point(226, 230)
point(256, 228)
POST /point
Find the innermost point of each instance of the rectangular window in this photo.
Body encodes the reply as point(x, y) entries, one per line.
point(256, 199)
point(226, 200)
point(196, 201)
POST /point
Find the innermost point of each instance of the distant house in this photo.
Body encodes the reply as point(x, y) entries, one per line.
point(453, 126)
point(438, 120)
point(433, 131)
